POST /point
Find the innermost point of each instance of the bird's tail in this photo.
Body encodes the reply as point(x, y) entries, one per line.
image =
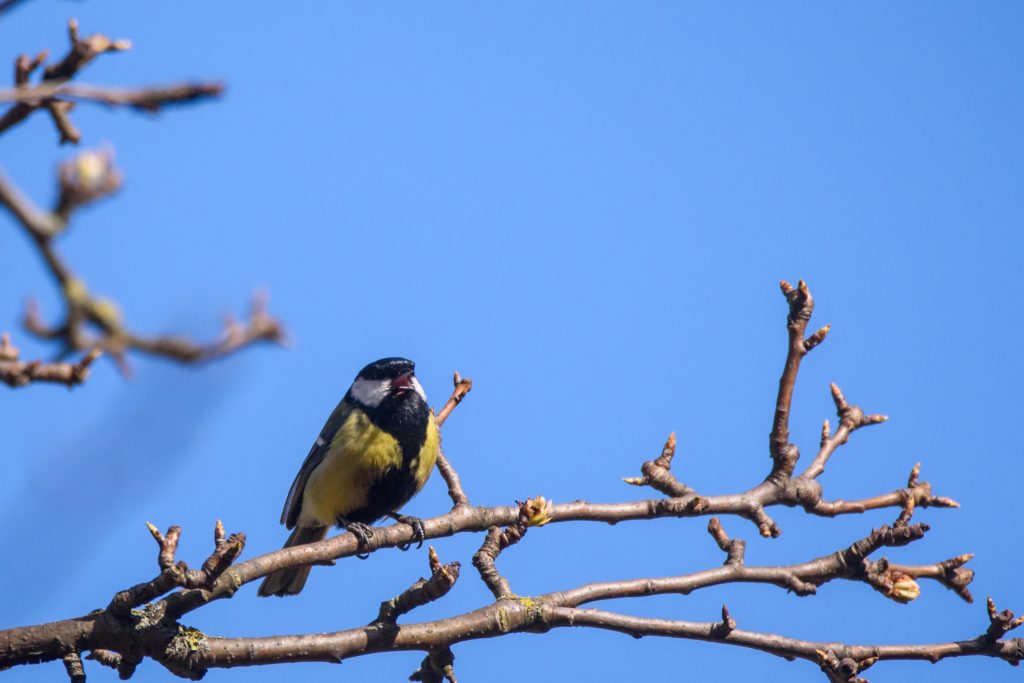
point(291, 580)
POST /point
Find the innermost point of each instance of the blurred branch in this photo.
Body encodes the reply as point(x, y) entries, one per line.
point(149, 99)
point(8, 5)
point(93, 322)
point(88, 321)
point(15, 373)
point(56, 96)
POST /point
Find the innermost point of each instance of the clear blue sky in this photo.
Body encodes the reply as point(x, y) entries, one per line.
point(586, 207)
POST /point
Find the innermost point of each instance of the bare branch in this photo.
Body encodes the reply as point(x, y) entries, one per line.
point(177, 574)
point(801, 306)
point(149, 99)
point(919, 492)
point(437, 667)
point(121, 635)
point(733, 548)
point(442, 578)
point(73, 665)
point(498, 540)
point(851, 418)
point(658, 475)
point(81, 52)
point(462, 386)
point(1000, 623)
point(15, 373)
point(726, 626)
point(54, 94)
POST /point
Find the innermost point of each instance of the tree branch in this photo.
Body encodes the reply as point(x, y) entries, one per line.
point(780, 487)
point(149, 99)
point(462, 387)
point(140, 623)
point(442, 578)
point(15, 373)
point(93, 322)
point(53, 92)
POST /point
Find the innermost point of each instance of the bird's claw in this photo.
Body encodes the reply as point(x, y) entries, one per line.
point(418, 532)
point(363, 534)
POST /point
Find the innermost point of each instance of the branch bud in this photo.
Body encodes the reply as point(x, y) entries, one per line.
point(538, 511)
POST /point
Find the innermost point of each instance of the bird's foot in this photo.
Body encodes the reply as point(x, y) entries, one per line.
point(363, 534)
point(418, 534)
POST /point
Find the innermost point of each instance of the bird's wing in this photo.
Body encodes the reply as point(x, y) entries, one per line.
point(293, 503)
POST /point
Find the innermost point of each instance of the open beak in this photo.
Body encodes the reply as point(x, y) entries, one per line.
point(402, 384)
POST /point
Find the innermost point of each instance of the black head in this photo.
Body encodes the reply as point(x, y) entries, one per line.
point(387, 368)
point(386, 383)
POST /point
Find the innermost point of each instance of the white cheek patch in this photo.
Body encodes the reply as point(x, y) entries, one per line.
point(419, 389)
point(370, 392)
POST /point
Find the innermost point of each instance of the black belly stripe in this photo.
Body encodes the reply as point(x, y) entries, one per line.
point(405, 418)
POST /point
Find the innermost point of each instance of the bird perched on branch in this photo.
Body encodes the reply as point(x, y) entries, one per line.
point(374, 454)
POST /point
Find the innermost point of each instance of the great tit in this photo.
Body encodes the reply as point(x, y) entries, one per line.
point(374, 454)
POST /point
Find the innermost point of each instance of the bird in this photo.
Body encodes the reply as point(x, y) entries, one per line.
point(374, 454)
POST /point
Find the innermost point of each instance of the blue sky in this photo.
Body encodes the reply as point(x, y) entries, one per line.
point(586, 208)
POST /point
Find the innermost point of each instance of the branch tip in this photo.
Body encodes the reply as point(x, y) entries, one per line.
point(1000, 622)
point(442, 578)
point(460, 387)
point(837, 396)
point(726, 626)
point(436, 667)
point(73, 666)
point(668, 451)
point(915, 472)
point(816, 338)
point(658, 475)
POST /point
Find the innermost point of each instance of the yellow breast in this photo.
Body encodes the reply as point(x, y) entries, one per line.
point(359, 454)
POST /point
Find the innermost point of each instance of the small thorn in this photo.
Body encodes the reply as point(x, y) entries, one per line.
point(154, 531)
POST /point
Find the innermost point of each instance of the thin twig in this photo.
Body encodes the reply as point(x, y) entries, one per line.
point(16, 373)
point(442, 578)
point(149, 99)
point(462, 386)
